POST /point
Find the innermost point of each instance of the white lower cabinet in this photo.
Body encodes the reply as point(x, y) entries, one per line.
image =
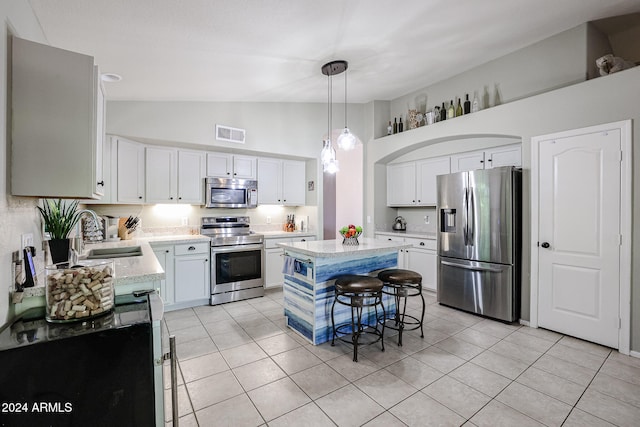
point(165, 258)
point(274, 259)
point(191, 269)
point(421, 258)
point(187, 274)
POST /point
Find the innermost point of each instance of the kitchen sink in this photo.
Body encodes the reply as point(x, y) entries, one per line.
point(127, 251)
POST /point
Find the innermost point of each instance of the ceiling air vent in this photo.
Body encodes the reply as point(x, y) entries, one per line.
point(226, 133)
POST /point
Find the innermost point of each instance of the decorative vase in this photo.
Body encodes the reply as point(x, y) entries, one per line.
point(412, 118)
point(59, 250)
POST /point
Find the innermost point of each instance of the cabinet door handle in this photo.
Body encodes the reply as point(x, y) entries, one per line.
point(171, 198)
point(191, 248)
point(421, 243)
point(139, 197)
point(179, 198)
point(303, 240)
point(166, 251)
point(101, 183)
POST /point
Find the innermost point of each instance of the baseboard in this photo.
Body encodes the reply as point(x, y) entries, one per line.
point(524, 322)
point(635, 354)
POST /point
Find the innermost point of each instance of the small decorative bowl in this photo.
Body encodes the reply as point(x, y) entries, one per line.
point(352, 240)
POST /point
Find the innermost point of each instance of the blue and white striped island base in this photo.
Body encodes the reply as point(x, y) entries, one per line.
point(309, 284)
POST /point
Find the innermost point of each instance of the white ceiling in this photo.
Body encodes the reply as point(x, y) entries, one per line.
point(272, 50)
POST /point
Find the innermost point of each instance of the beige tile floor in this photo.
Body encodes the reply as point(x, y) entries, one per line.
point(239, 365)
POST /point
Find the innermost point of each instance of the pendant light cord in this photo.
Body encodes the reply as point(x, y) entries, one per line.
point(345, 99)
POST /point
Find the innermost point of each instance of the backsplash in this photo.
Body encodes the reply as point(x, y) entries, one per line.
point(416, 220)
point(18, 215)
point(159, 220)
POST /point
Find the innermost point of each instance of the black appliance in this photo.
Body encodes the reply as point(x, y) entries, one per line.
point(99, 372)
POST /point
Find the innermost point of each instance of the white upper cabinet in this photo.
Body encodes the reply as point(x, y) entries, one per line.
point(269, 181)
point(161, 166)
point(510, 155)
point(109, 172)
point(174, 176)
point(130, 170)
point(467, 161)
point(401, 184)
point(507, 155)
point(57, 119)
point(427, 171)
point(281, 182)
point(223, 165)
point(191, 173)
point(414, 183)
point(293, 183)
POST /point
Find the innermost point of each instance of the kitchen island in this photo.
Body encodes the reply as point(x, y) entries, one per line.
point(309, 286)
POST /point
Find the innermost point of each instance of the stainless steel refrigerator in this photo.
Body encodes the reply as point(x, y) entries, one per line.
point(479, 238)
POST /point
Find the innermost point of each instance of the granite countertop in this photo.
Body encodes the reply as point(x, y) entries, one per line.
point(280, 233)
point(335, 248)
point(414, 234)
point(137, 269)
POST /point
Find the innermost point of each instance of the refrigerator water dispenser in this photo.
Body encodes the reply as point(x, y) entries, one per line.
point(448, 220)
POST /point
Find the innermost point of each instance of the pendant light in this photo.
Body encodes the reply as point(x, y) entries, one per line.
point(328, 154)
point(346, 140)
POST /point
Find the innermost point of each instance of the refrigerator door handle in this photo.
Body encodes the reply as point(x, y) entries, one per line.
point(466, 216)
point(472, 212)
point(470, 267)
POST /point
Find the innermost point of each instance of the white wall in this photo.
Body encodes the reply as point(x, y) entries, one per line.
point(554, 62)
point(271, 128)
point(349, 198)
point(17, 215)
point(601, 100)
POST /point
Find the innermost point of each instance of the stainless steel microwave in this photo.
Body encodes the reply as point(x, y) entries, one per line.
point(230, 193)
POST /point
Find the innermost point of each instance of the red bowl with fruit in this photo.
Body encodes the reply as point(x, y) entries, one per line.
point(350, 234)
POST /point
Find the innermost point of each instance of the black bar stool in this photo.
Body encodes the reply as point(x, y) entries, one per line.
point(358, 292)
point(402, 284)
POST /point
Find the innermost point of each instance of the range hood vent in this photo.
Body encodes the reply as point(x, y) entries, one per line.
point(229, 134)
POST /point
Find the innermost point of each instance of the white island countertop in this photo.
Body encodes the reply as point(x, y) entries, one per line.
point(335, 248)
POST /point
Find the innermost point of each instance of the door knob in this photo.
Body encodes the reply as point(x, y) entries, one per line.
point(545, 245)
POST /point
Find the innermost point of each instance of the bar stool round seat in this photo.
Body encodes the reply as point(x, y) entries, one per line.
point(358, 292)
point(403, 284)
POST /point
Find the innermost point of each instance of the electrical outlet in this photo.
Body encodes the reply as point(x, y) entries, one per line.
point(268, 220)
point(184, 220)
point(426, 219)
point(27, 240)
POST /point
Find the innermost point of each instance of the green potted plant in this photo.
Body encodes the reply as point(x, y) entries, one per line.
point(59, 219)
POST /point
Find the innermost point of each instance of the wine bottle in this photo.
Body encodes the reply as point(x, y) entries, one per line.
point(400, 125)
point(443, 113)
point(395, 125)
point(451, 111)
point(467, 105)
point(476, 104)
point(459, 109)
point(389, 128)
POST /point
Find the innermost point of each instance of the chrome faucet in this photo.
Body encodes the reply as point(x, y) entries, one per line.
point(78, 243)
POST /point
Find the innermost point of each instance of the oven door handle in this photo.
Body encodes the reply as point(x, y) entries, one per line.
point(237, 248)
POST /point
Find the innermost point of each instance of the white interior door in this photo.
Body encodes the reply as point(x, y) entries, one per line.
point(579, 235)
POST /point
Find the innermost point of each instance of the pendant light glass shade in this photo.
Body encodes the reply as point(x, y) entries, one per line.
point(332, 166)
point(346, 140)
point(328, 153)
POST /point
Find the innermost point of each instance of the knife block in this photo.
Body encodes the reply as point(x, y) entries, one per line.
point(123, 232)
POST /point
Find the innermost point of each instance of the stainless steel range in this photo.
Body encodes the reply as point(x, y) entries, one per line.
point(237, 259)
